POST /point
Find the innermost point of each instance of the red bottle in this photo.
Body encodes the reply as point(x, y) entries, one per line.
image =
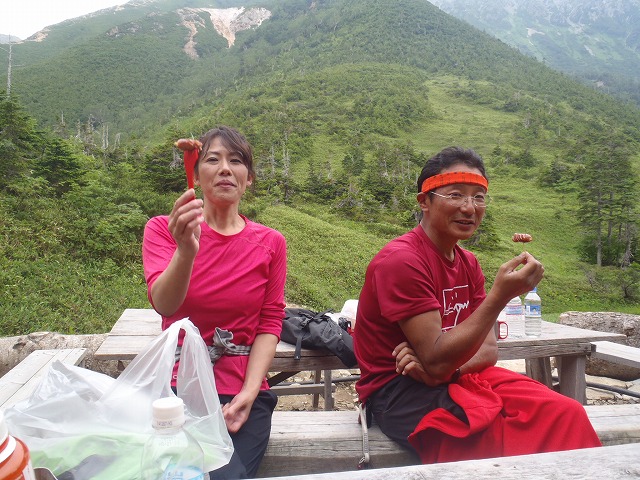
point(15, 462)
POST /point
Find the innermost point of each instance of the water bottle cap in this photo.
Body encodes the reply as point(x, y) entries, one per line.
point(535, 289)
point(168, 412)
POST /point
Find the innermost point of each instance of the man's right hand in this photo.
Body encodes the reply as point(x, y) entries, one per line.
point(512, 281)
point(407, 363)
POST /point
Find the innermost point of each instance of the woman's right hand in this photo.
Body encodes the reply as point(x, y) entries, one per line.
point(184, 223)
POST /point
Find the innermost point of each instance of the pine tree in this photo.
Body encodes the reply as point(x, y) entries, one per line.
point(608, 188)
point(17, 140)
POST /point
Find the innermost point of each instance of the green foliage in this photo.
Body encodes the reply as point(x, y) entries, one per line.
point(608, 202)
point(18, 140)
point(58, 165)
point(49, 281)
point(164, 167)
point(558, 175)
point(353, 162)
point(310, 269)
point(615, 283)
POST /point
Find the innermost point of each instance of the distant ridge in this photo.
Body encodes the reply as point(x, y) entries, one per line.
point(9, 38)
point(598, 41)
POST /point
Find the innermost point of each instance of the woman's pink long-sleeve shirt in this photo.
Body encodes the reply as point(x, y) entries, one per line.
point(237, 284)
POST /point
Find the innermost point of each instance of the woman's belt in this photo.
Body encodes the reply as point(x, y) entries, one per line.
point(222, 345)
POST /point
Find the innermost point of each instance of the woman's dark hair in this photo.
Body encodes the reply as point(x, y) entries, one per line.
point(233, 141)
point(447, 157)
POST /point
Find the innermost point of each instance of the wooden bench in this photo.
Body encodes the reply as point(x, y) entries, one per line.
point(314, 442)
point(610, 462)
point(616, 353)
point(19, 382)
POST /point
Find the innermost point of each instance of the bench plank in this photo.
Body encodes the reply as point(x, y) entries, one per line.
point(619, 462)
point(314, 442)
point(616, 424)
point(19, 382)
point(616, 353)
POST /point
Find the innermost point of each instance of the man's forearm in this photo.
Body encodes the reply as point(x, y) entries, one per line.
point(486, 356)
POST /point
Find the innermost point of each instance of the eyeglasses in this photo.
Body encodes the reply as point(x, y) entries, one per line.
point(458, 200)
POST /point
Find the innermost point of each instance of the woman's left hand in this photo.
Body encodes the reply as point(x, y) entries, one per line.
point(236, 412)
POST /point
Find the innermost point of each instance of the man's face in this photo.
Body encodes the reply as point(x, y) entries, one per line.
point(450, 211)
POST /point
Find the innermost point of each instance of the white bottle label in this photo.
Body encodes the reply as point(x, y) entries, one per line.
point(174, 472)
point(533, 311)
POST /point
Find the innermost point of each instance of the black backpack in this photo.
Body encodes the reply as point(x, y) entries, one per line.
point(309, 329)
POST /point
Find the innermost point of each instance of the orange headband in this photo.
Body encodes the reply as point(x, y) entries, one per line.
point(450, 178)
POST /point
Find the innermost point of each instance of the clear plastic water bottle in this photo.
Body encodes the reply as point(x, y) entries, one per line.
point(514, 316)
point(532, 314)
point(171, 453)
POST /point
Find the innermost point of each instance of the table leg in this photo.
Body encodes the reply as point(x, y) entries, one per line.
point(539, 369)
point(328, 390)
point(571, 373)
point(316, 396)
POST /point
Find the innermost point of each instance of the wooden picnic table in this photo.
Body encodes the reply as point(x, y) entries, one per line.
point(136, 327)
point(569, 345)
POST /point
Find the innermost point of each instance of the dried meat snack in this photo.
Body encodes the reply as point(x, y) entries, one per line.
point(522, 237)
point(187, 144)
point(191, 148)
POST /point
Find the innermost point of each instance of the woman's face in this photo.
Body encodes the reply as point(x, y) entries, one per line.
point(450, 223)
point(222, 175)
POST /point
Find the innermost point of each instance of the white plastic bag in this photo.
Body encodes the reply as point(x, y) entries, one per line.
point(82, 424)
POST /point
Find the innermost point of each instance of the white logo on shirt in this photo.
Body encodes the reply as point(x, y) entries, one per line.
point(453, 305)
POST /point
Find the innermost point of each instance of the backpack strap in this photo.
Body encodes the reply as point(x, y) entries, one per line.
point(303, 325)
point(364, 424)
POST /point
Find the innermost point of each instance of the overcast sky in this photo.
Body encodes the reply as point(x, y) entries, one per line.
point(23, 18)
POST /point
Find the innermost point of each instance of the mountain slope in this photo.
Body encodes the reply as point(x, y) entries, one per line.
point(595, 40)
point(129, 67)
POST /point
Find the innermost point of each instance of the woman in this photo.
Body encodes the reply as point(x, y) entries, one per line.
point(207, 262)
point(425, 340)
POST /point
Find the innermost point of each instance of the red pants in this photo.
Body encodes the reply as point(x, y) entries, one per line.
point(509, 414)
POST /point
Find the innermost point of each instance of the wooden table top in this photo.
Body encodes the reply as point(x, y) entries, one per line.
point(136, 327)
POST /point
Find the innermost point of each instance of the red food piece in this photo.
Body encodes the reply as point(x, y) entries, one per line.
point(191, 148)
point(521, 237)
point(187, 144)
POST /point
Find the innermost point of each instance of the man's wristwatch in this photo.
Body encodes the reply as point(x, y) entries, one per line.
point(455, 376)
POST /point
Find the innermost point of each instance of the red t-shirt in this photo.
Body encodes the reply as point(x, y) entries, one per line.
point(409, 276)
point(237, 284)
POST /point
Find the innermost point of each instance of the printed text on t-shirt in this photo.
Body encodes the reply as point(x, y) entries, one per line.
point(454, 301)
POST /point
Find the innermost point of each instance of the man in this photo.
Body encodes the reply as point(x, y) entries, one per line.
point(425, 338)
